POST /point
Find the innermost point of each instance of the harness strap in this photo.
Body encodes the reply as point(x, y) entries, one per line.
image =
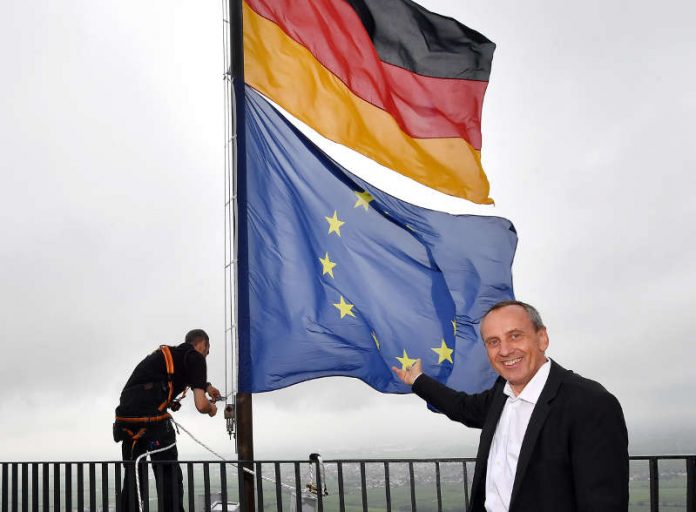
point(169, 400)
point(144, 419)
point(176, 403)
point(169, 364)
point(135, 436)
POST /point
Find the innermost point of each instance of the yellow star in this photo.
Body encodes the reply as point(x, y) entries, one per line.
point(334, 224)
point(444, 353)
point(344, 308)
point(374, 337)
point(364, 199)
point(327, 265)
point(406, 362)
point(454, 326)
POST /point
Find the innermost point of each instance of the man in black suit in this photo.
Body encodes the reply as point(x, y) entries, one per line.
point(551, 440)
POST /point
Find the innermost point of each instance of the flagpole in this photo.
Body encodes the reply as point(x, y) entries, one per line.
point(244, 416)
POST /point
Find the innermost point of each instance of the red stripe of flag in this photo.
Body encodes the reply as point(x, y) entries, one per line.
point(424, 107)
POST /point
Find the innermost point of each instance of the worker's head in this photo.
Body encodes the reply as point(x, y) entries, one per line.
point(199, 340)
point(515, 338)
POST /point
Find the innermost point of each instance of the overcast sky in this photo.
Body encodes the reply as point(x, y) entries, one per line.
point(111, 217)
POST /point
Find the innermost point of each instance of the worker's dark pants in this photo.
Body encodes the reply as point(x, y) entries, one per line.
point(170, 486)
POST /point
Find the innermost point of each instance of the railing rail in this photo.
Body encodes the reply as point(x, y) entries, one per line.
point(441, 484)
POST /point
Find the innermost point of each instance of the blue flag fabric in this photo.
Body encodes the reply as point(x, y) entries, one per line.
point(344, 279)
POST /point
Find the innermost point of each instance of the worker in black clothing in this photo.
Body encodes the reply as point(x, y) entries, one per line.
point(143, 422)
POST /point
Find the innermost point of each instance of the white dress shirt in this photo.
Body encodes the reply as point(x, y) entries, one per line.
point(507, 440)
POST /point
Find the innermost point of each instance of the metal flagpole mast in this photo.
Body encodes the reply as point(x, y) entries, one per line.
point(240, 414)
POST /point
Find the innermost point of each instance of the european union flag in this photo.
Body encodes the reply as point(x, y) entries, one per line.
point(344, 279)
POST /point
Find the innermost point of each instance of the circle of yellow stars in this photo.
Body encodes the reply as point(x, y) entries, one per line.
point(364, 198)
point(327, 266)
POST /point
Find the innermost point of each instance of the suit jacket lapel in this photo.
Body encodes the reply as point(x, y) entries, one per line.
point(486, 439)
point(541, 411)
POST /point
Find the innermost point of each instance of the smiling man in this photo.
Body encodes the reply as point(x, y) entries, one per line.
point(551, 440)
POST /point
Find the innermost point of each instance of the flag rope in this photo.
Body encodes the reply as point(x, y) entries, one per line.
point(201, 443)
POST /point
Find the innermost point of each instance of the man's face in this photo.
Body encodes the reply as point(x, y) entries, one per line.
point(202, 347)
point(515, 348)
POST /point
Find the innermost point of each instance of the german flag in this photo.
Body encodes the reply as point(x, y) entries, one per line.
point(387, 78)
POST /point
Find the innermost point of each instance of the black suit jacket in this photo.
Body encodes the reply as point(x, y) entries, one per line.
point(574, 454)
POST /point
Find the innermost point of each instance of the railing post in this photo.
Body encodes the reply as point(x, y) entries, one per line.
point(191, 486)
point(466, 484)
point(34, 487)
point(104, 486)
point(175, 480)
point(387, 486)
point(691, 484)
point(56, 487)
point(363, 487)
point(298, 488)
point(80, 487)
point(45, 484)
point(15, 490)
point(279, 494)
point(654, 485)
point(132, 490)
point(412, 483)
point(206, 486)
point(117, 485)
point(25, 488)
point(68, 487)
point(5, 469)
point(223, 486)
point(341, 495)
point(145, 484)
point(438, 490)
point(158, 469)
point(259, 485)
point(320, 486)
point(92, 487)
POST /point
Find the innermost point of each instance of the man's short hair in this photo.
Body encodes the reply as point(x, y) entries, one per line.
point(196, 335)
point(532, 313)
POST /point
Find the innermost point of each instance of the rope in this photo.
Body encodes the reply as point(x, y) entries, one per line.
point(231, 217)
point(246, 470)
point(225, 97)
point(180, 426)
point(137, 473)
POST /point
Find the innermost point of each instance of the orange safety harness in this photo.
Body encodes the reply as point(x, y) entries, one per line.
point(171, 402)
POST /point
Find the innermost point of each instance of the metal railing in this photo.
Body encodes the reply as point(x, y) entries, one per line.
point(353, 484)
